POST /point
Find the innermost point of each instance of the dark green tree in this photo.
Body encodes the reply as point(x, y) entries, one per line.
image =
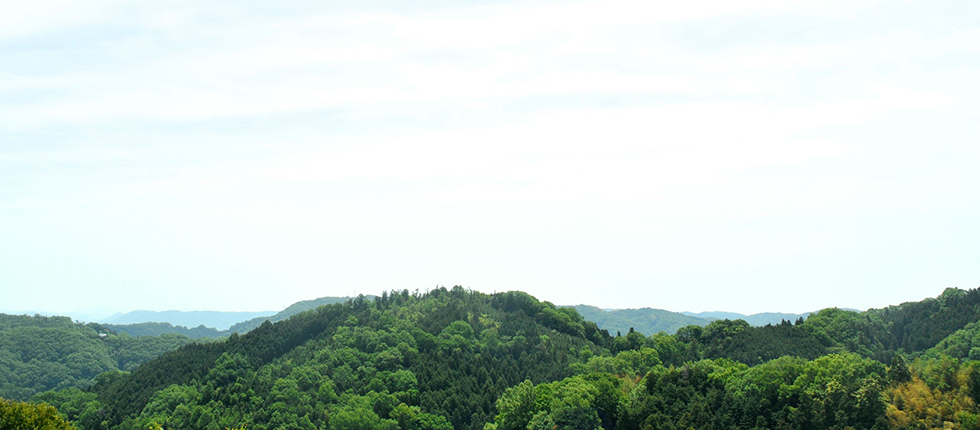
point(898, 372)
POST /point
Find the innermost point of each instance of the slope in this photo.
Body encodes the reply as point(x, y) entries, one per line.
point(293, 309)
point(40, 353)
point(917, 326)
point(448, 358)
point(445, 355)
point(963, 344)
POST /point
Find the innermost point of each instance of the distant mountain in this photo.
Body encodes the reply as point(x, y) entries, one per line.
point(87, 315)
point(717, 315)
point(758, 320)
point(214, 319)
point(157, 329)
point(293, 309)
point(773, 318)
point(649, 321)
point(158, 323)
point(646, 320)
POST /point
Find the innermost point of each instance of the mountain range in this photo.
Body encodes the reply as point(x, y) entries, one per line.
point(464, 360)
point(759, 319)
point(199, 324)
point(650, 321)
point(219, 320)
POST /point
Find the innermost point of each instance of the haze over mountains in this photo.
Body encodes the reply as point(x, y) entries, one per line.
point(758, 319)
point(293, 309)
point(214, 319)
point(208, 324)
point(649, 321)
point(198, 324)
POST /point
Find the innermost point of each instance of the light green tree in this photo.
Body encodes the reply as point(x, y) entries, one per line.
point(16, 415)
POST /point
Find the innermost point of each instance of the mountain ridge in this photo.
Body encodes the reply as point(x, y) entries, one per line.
point(219, 320)
point(465, 360)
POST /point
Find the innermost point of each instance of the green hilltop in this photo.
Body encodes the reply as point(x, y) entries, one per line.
point(460, 359)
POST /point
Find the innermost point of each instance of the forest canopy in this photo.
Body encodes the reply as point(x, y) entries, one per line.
point(39, 353)
point(460, 359)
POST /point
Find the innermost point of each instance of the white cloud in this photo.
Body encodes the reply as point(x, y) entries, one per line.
point(258, 65)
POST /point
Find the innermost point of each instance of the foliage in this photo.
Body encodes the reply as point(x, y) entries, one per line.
point(459, 359)
point(43, 353)
point(16, 415)
point(937, 395)
point(580, 402)
point(918, 326)
point(437, 360)
point(962, 344)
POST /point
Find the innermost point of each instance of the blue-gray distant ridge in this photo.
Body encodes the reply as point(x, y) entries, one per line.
point(214, 319)
point(758, 320)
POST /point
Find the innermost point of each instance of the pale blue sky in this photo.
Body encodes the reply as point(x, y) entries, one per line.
point(760, 155)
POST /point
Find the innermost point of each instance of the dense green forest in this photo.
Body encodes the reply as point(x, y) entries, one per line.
point(39, 353)
point(459, 359)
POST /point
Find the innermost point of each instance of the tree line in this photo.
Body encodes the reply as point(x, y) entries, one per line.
point(459, 359)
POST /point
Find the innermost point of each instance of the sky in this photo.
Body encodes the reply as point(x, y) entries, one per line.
point(749, 156)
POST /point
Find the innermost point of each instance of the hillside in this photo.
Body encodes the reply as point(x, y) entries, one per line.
point(446, 355)
point(963, 344)
point(40, 353)
point(644, 320)
point(215, 319)
point(465, 360)
point(293, 309)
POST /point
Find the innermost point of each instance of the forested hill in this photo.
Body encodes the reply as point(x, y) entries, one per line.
point(293, 309)
point(910, 328)
point(446, 355)
point(466, 360)
point(39, 353)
